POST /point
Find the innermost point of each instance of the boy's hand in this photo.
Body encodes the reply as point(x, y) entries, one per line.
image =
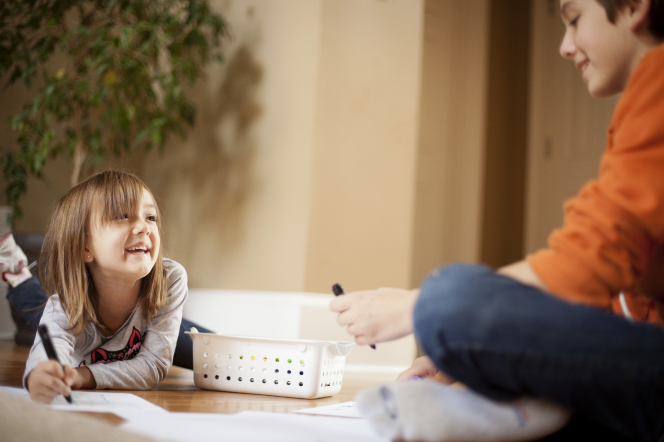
point(376, 315)
point(423, 368)
point(49, 379)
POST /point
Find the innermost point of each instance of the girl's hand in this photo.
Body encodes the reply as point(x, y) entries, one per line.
point(376, 315)
point(423, 368)
point(48, 379)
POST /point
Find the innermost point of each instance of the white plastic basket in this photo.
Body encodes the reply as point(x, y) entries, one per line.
point(278, 367)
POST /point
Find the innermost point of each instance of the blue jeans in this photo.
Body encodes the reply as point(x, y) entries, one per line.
point(506, 340)
point(30, 299)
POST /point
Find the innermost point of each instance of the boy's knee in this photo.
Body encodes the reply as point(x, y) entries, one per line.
point(452, 289)
point(450, 298)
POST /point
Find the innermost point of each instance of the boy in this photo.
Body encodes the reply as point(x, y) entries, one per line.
point(503, 334)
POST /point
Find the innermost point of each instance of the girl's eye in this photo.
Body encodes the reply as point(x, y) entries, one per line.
point(574, 22)
point(123, 216)
point(152, 218)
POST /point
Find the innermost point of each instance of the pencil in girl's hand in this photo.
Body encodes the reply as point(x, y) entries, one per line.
point(50, 350)
point(338, 290)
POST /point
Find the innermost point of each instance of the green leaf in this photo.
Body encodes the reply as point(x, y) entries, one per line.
point(114, 52)
point(141, 136)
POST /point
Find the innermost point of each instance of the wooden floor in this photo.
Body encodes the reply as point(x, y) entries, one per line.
point(178, 392)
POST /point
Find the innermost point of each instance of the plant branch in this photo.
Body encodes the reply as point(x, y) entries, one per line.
point(79, 157)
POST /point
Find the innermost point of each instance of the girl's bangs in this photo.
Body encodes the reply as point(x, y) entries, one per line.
point(118, 195)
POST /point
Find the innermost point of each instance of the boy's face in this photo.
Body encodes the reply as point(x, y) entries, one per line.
point(605, 52)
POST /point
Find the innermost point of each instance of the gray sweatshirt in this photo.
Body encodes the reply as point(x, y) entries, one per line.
point(136, 357)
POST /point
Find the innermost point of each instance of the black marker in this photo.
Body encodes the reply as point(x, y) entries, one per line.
point(338, 290)
point(50, 350)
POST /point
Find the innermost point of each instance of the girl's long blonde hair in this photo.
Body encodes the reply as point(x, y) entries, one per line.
point(62, 270)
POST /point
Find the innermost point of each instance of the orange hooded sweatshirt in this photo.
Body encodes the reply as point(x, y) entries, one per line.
point(612, 239)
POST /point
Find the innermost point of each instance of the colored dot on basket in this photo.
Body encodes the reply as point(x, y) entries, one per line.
point(276, 371)
point(241, 357)
point(301, 361)
point(230, 356)
point(264, 381)
point(289, 372)
point(301, 373)
point(276, 382)
point(206, 354)
point(290, 360)
point(239, 379)
point(228, 378)
point(287, 382)
point(301, 384)
point(217, 356)
point(204, 365)
point(253, 358)
point(277, 359)
point(216, 376)
point(205, 376)
point(251, 380)
point(264, 359)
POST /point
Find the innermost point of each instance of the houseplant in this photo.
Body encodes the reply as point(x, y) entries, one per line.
point(112, 78)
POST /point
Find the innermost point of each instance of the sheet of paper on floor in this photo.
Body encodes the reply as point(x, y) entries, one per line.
point(344, 409)
point(250, 426)
point(125, 405)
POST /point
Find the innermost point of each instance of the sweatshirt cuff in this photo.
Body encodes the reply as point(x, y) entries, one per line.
point(98, 373)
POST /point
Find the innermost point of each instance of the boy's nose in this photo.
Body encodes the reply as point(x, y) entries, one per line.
point(567, 47)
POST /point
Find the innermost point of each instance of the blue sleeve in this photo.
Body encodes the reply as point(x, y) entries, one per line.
point(29, 298)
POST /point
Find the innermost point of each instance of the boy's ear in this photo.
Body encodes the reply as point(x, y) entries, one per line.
point(638, 13)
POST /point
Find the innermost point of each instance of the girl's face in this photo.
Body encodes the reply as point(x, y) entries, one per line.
point(127, 247)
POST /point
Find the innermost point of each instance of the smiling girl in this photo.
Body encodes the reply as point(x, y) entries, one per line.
point(116, 305)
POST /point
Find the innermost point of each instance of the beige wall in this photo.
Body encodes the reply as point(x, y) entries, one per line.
point(311, 120)
point(365, 147)
point(236, 193)
point(448, 210)
point(341, 141)
point(296, 199)
point(506, 134)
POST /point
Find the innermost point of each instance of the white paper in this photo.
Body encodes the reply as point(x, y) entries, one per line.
point(15, 392)
point(125, 405)
point(252, 426)
point(344, 409)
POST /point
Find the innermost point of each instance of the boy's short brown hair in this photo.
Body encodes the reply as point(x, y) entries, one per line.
point(655, 15)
